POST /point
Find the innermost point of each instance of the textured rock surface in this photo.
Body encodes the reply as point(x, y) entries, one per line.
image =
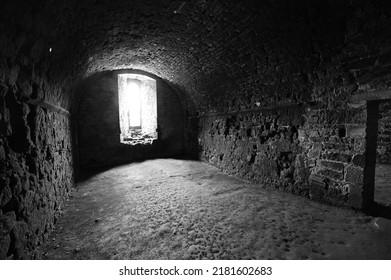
point(260, 146)
point(36, 175)
point(346, 55)
point(35, 148)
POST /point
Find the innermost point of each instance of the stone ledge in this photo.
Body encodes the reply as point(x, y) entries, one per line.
point(371, 96)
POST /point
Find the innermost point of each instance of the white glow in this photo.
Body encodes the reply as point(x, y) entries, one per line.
point(137, 109)
point(133, 103)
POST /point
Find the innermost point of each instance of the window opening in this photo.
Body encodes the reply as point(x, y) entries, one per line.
point(137, 109)
point(133, 103)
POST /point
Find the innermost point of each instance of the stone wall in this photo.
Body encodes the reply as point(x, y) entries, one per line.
point(331, 166)
point(291, 149)
point(98, 125)
point(384, 133)
point(345, 52)
point(259, 145)
point(36, 173)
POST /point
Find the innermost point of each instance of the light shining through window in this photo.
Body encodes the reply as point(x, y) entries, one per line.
point(133, 103)
point(137, 109)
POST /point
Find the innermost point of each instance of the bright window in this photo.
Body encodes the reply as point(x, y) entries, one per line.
point(132, 100)
point(137, 109)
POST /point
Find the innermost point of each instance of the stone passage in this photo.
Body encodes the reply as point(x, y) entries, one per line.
point(282, 93)
point(175, 209)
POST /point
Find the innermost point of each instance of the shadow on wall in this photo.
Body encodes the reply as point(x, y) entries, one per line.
point(193, 147)
point(96, 126)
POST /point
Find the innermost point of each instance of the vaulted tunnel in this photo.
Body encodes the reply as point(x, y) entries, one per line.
point(277, 92)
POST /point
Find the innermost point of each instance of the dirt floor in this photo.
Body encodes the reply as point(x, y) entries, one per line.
point(383, 184)
point(177, 209)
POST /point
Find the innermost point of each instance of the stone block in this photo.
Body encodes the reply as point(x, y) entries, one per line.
point(316, 179)
point(354, 175)
point(335, 165)
point(335, 116)
point(384, 139)
point(356, 131)
point(357, 116)
point(335, 146)
point(342, 157)
point(333, 174)
point(317, 139)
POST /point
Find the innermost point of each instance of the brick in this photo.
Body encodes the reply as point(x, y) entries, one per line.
point(337, 175)
point(384, 139)
point(317, 180)
point(338, 166)
point(337, 157)
point(335, 146)
point(355, 131)
point(317, 139)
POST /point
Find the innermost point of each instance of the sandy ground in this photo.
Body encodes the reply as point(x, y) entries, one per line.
point(383, 184)
point(176, 209)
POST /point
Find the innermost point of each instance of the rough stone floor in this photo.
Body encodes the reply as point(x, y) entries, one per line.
point(177, 209)
point(383, 184)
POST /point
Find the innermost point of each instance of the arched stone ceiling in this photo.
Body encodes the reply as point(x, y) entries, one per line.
point(190, 44)
point(208, 50)
point(202, 46)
